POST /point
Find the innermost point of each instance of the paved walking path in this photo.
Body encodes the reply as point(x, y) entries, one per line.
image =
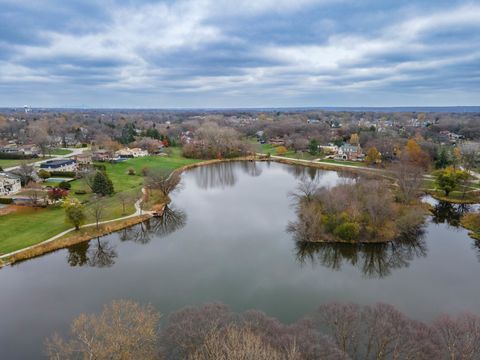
point(138, 212)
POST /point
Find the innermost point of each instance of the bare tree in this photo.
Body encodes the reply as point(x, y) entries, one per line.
point(163, 182)
point(125, 198)
point(97, 209)
point(409, 178)
point(235, 343)
point(124, 330)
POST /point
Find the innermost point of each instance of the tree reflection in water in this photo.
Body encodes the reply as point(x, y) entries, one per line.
point(224, 175)
point(94, 253)
point(374, 260)
point(100, 253)
point(219, 175)
point(445, 212)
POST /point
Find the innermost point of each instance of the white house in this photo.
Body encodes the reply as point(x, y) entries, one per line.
point(131, 153)
point(9, 184)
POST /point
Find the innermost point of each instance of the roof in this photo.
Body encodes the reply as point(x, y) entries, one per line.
point(9, 176)
point(57, 163)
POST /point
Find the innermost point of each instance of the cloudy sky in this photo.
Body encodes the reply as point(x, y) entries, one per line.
point(234, 53)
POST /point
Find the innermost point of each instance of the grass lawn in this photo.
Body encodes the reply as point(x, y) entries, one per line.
point(6, 163)
point(25, 228)
point(342, 162)
point(60, 152)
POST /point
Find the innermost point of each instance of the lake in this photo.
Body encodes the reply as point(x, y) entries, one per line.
point(224, 239)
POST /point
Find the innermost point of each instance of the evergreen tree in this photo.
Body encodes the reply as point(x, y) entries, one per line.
point(102, 185)
point(313, 147)
point(128, 134)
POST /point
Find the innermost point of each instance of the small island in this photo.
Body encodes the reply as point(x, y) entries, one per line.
point(359, 211)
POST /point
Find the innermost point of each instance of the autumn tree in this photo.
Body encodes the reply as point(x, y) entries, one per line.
point(124, 330)
point(354, 139)
point(373, 156)
point(416, 155)
point(448, 179)
point(74, 212)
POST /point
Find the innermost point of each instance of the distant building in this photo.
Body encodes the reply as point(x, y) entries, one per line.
point(66, 165)
point(102, 155)
point(128, 153)
point(9, 184)
point(84, 160)
point(313, 121)
point(350, 152)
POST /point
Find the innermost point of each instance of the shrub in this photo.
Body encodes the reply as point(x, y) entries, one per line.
point(43, 174)
point(80, 192)
point(281, 150)
point(145, 170)
point(100, 167)
point(6, 201)
point(131, 171)
point(65, 185)
point(347, 231)
point(67, 174)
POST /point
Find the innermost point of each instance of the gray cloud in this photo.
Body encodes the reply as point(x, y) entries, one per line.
point(230, 53)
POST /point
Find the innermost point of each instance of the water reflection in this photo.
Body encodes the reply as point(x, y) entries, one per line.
point(95, 253)
point(223, 175)
point(327, 178)
point(373, 260)
point(220, 175)
point(100, 253)
point(451, 214)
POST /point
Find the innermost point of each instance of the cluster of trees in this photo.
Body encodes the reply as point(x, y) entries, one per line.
point(215, 142)
point(360, 211)
point(128, 330)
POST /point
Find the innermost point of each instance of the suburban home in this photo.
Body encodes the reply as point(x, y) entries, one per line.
point(28, 150)
point(103, 155)
point(127, 153)
point(329, 149)
point(84, 160)
point(64, 165)
point(350, 152)
point(9, 184)
point(277, 141)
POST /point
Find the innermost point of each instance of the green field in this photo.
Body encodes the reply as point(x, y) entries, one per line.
point(60, 152)
point(22, 229)
point(6, 163)
point(344, 162)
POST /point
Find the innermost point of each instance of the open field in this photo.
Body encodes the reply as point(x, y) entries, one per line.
point(6, 163)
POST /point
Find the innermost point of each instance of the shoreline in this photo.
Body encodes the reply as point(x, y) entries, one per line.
point(62, 240)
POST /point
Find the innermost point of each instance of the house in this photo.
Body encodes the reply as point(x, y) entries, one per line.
point(277, 141)
point(329, 149)
point(84, 160)
point(9, 184)
point(127, 153)
point(350, 152)
point(64, 165)
point(102, 155)
point(313, 121)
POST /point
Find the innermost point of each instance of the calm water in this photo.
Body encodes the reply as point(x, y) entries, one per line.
point(224, 239)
